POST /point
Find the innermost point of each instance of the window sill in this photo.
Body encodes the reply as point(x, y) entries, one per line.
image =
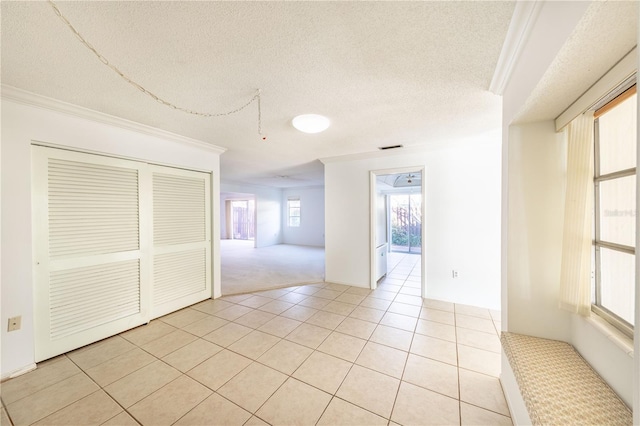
point(612, 333)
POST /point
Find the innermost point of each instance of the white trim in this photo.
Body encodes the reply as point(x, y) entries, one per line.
point(32, 99)
point(524, 18)
point(332, 282)
point(517, 407)
point(44, 144)
point(612, 333)
point(636, 339)
point(373, 283)
point(20, 372)
point(621, 71)
point(372, 223)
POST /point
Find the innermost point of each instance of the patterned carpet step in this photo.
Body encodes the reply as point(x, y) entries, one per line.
point(558, 386)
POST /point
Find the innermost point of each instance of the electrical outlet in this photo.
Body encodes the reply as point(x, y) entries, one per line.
point(454, 274)
point(15, 323)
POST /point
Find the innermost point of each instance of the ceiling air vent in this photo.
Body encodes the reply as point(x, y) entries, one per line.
point(382, 148)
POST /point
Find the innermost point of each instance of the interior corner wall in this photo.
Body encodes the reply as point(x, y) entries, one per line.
point(223, 217)
point(547, 33)
point(268, 205)
point(22, 124)
point(462, 222)
point(537, 179)
point(311, 229)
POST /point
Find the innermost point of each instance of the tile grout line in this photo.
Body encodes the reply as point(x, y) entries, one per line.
point(4, 408)
point(316, 350)
point(106, 393)
point(345, 290)
point(404, 368)
point(333, 330)
point(290, 376)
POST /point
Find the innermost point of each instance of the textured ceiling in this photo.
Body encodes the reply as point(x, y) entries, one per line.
point(604, 35)
point(384, 72)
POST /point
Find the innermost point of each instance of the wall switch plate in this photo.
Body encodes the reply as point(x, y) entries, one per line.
point(454, 274)
point(14, 323)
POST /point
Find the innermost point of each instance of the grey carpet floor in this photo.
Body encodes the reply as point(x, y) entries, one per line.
point(247, 269)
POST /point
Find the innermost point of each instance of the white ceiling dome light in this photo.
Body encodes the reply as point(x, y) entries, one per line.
point(311, 123)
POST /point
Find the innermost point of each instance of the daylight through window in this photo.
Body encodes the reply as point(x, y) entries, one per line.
point(615, 210)
point(293, 207)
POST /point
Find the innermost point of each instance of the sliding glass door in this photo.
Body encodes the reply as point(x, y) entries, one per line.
point(406, 222)
point(243, 223)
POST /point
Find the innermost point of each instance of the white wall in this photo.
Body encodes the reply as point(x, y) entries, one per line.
point(611, 358)
point(22, 124)
point(311, 229)
point(268, 211)
point(462, 222)
point(537, 166)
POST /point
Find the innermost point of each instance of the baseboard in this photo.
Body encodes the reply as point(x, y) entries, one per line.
point(20, 372)
point(343, 283)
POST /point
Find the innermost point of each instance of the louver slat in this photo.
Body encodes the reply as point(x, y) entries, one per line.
point(87, 297)
point(179, 274)
point(93, 209)
point(178, 209)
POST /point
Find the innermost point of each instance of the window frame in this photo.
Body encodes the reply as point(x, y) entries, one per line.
point(618, 97)
point(290, 216)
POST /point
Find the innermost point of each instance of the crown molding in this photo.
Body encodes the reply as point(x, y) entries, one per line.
point(31, 99)
point(524, 17)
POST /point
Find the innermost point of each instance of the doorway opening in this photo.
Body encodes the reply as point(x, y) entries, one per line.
point(243, 214)
point(238, 217)
point(397, 234)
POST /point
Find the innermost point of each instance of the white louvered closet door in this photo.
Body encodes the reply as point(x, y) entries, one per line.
point(91, 280)
point(181, 239)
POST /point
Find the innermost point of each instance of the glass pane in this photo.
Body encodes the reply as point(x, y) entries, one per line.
point(406, 222)
point(618, 210)
point(294, 203)
point(416, 223)
point(399, 222)
point(294, 221)
point(617, 283)
point(294, 212)
point(617, 131)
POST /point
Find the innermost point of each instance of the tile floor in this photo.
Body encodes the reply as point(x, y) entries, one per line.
point(322, 354)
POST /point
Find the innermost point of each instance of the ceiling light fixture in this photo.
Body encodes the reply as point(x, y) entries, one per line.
point(311, 123)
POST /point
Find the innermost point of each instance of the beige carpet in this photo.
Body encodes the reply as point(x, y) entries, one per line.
point(247, 269)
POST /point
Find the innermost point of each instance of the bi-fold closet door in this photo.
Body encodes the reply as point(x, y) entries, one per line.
point(116, 244)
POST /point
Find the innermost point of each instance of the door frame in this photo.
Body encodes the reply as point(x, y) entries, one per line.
point(373, 174)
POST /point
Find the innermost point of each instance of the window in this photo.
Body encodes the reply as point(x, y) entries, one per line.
point(615, 210)
point(293, 208)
